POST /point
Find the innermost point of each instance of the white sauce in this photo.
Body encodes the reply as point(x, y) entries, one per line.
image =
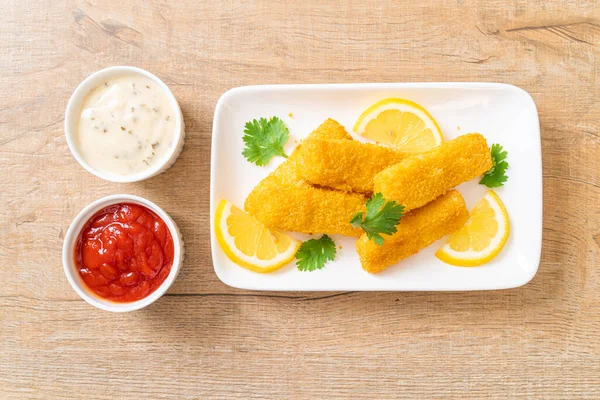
point(127, 125)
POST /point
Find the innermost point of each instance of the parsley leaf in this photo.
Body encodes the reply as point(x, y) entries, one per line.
point(314, 253)
point(381, 217)
point(264, 139)
point(496, 176)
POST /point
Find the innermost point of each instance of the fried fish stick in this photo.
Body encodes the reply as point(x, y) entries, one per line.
point(421, 178)
point(304, 209)
point(345, 165)
point(283, 201)
point(286, 172)
point(417, 230)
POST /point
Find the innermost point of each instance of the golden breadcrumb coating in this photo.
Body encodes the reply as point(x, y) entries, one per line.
point(283, 201)
point(305, 209)
point(421, 178)
point(416, 230)
point(345, 165)
point(286, 172)
point(330, 129)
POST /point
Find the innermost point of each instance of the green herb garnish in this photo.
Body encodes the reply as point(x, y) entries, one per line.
point(314, 253)
point(264, 139)
point(381, 217)
point(496, 176)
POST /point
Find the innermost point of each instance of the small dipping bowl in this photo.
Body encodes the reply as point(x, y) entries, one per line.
point(73, 113)
point(71, 270)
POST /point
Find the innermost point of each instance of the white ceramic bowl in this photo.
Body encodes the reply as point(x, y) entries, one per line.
point(74, 110)
point(71, 238)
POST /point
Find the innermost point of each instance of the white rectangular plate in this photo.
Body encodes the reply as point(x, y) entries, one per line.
point(503, 113)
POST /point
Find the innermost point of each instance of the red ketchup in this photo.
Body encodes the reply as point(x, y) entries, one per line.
point(124, 252)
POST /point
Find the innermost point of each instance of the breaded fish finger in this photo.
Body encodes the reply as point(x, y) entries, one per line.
point(305, 209)
point(286, 172)
point(283, 201)
point(343, 164)
point(417, 230)
point(419, 179)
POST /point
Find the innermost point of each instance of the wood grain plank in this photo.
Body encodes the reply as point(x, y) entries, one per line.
point(403, 349)
point(207, 340)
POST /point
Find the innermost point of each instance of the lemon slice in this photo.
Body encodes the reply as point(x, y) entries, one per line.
point(481, 238)
point(249, 243)
point(400, 123)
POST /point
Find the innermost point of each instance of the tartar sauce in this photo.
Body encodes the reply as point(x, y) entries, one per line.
point(127, 124)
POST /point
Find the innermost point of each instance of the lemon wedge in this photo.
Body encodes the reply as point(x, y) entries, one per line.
point(249, 243)
point(481, 238)
point(400, 123)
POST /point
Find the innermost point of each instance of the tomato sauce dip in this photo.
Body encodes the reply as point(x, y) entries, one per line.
point(124, 252)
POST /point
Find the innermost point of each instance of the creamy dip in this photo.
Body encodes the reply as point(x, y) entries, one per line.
point(127, 125)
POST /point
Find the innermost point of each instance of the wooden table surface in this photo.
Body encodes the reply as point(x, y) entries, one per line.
point(206, 340)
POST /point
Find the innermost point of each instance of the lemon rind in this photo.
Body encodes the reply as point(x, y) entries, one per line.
point(476, 258)
point(250, 263)
point(394, 103)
